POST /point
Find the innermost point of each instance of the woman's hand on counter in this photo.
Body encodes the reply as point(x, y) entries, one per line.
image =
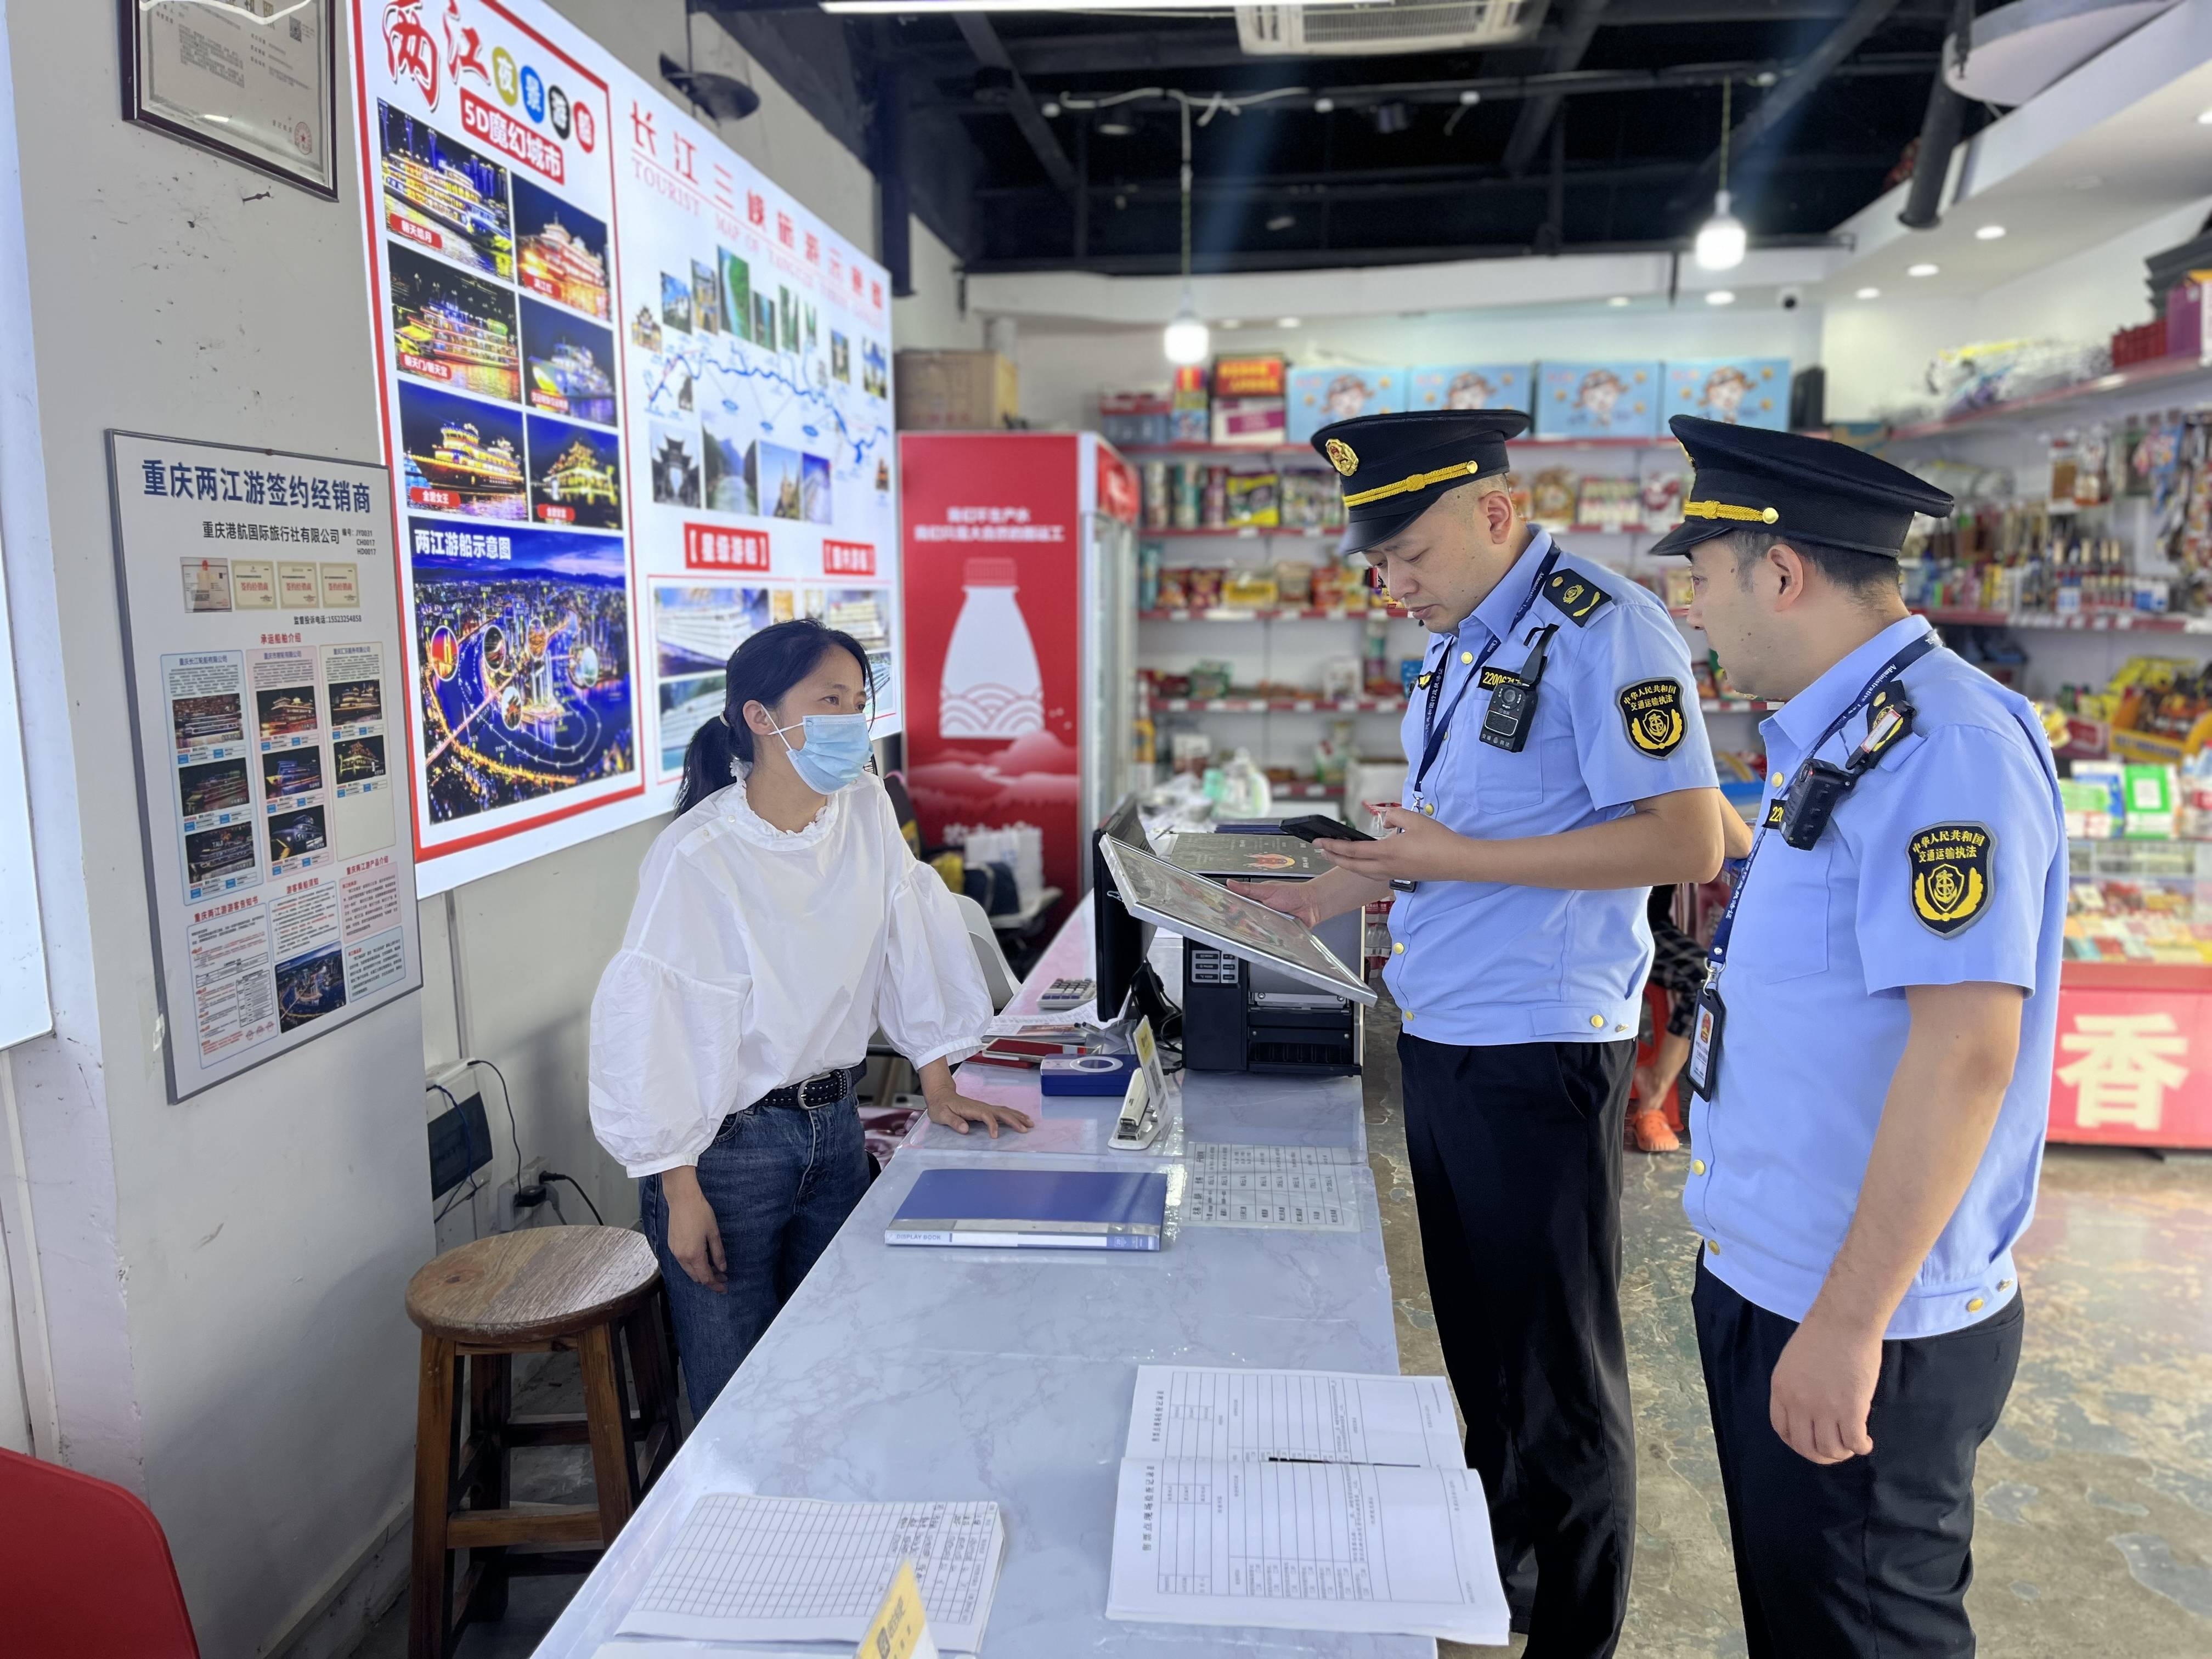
point(955, 1111)
point(694, 1237)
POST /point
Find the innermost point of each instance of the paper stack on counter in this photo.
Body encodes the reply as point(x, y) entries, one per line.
point(759, 1576)
point(1302, 1500)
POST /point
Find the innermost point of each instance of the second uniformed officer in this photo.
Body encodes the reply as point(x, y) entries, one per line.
point(1873, 1052)
point(1557, 769)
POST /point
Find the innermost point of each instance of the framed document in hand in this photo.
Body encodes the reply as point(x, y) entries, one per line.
point(251, 80)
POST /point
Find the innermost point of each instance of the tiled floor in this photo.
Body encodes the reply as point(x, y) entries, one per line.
point(2095, 1527)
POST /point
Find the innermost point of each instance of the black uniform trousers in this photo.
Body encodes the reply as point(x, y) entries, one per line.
point(1871, 1556)
point(1515, 1156)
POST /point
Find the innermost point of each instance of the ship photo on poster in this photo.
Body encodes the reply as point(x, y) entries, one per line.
point(560, 250)
point(524, 638)
point(457, 455)
point(452, 328)
point(442, 195)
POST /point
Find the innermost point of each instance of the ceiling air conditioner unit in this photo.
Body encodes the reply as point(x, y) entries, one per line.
point(1374, 31)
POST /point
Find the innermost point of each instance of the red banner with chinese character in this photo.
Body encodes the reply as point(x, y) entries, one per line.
point(2134, 1063)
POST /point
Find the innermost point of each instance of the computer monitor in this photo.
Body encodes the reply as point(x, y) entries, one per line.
point(1119, 937)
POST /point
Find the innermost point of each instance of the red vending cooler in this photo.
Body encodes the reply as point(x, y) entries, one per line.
point(1020, 605)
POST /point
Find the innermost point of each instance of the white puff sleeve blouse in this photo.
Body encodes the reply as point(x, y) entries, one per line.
point(756, 958)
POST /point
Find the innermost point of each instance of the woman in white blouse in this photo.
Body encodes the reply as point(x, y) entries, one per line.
point(780, 920)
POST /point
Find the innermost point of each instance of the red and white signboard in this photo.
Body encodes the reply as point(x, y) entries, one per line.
point(636, 405)
point(2134, 1065)
point(993, 571)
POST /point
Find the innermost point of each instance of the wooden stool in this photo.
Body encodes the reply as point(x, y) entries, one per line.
point(542, 1289)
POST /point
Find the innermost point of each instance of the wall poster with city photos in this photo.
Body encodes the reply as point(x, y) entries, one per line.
point(636, 405)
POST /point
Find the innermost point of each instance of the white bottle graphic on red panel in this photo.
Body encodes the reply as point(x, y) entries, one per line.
point(991, 687)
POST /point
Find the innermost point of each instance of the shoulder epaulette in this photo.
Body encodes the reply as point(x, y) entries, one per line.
point(1576, 597)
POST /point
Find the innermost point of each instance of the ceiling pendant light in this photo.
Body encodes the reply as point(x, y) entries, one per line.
point(1721, 239)
point(1185, 341)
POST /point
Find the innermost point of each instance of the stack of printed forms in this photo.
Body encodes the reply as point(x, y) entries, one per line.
point(1302, 1500)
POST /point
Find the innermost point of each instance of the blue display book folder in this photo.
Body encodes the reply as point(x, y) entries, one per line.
point(1034, 1209)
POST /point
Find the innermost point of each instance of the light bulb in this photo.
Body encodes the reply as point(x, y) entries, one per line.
point(1989, 232)
point(1721, 239)
point(1720, 296)
point(1185, 341)
point(1869, 294)
point(1922, 270)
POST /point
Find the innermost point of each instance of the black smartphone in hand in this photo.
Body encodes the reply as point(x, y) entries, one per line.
point(1313, 826)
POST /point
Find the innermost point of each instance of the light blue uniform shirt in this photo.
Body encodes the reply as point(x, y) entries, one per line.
point(1477, 963)
point(1945, 864)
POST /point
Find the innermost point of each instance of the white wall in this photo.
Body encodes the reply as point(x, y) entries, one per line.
point(221, 1281)
point(1877, 351)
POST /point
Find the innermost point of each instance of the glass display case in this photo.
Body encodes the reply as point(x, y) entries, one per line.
point(2134, 1061)
point(2140, 902)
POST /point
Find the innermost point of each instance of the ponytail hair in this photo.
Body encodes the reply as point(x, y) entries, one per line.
point(761, 670)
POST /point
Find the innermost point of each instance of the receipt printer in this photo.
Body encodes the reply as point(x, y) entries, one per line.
point(1240, 1016)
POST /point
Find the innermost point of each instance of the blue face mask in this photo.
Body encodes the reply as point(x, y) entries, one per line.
point(835, 753)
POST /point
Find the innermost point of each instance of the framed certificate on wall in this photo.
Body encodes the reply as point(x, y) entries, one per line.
point(253, 80)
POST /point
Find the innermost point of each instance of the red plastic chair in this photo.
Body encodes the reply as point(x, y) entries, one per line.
point(85, 1572)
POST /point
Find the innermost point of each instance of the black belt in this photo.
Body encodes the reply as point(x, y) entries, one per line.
point(826, 1090)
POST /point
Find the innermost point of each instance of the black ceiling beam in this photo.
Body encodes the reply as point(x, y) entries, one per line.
point(1534, 122)
point(1819, 66)
point(1389, 184)
point(1311, 259)
point(1503, 88)
point(983, 40)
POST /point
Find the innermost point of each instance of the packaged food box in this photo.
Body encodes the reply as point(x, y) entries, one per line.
point(1319, 396)
point(1468, 386)
point(1597, 400)
point(1741, 391)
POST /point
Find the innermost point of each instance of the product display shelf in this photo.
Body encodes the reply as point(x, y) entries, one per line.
point(1269, 613)
point(2164, 372)
point(1313, 705)
point(2093, 622)
point(1246, 532)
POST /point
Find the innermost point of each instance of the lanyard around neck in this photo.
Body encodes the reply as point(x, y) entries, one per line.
point(1904, 657)
point(1433, 731)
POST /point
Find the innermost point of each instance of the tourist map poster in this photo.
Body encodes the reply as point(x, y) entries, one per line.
point(636, 405)
point(261, 634)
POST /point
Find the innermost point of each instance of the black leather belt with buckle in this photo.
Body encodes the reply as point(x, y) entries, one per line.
point(826, 1090)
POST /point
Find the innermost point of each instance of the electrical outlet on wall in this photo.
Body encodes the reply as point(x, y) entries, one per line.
point(507, 1217)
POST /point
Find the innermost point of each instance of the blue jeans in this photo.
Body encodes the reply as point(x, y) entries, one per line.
point(780, 1181)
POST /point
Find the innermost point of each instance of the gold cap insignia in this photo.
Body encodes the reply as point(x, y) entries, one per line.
point(1340, 456)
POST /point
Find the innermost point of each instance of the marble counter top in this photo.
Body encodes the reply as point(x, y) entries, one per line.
point(911, 1373)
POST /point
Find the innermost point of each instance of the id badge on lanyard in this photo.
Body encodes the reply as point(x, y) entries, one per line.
point(1705, 1041)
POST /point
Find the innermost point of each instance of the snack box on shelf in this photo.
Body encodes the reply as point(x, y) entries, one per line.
point(1597, 400)
point(1319, 396)
point(1741, 391)
point(1468, 386)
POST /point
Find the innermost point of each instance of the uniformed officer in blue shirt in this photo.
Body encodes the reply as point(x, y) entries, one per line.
point(1557, 769)
point(1875, 1055)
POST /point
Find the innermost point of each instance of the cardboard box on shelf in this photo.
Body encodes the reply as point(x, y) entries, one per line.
point(1137, 419)
point(1469, 386)
point(1319, 396)
point(1741, 391)
point(1597, 400)
point(1248, 377)
point(957, 391)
